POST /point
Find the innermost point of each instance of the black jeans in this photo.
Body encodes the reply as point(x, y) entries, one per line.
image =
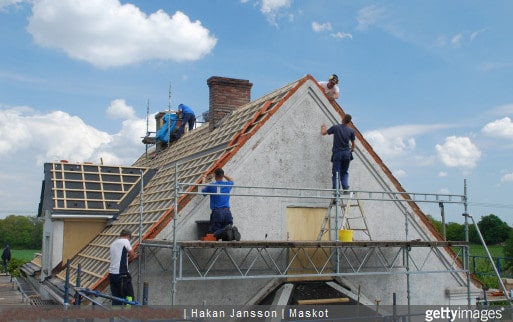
point(121, 286)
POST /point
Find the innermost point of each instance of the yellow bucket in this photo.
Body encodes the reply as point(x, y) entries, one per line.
point(345, 235)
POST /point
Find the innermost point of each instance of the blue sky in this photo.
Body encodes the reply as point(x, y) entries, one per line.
point(428, 82)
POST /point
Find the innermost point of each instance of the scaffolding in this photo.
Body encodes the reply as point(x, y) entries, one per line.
point(204, 260)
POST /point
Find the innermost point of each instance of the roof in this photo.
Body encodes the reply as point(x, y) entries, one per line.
point(73, 190)
point(195, 154)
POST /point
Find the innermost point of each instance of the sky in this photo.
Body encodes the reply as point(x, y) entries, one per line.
point(428, 83)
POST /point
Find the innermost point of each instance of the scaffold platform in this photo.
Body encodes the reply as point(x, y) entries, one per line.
point(217, 260)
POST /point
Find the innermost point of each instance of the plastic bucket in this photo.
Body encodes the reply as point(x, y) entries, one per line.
point(345, 235)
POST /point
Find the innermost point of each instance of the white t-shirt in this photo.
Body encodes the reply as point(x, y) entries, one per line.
point(331, 92)
point(119, 256)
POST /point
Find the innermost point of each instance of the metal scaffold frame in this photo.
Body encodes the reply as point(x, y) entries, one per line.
point(253, 259)
point(200, 260)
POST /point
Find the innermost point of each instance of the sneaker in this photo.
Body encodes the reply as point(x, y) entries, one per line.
point(236, 234)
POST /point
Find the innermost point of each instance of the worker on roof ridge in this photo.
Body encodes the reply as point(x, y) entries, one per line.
point(330, 87)
point(188, 117)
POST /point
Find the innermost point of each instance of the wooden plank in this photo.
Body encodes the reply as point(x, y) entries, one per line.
point(323, 301)
point(301, 243)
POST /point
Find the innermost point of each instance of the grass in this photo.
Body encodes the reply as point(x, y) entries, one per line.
point(481, 264)
point(26, 255)
point(479, 250)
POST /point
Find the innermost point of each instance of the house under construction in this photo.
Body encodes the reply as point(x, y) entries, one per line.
point(281, 202)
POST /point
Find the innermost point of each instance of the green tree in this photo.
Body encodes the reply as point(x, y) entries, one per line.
point(508, 251)
point(21, 232)
point(455, 231)
point(436, 223)
point(37, 233)
point(494, 230)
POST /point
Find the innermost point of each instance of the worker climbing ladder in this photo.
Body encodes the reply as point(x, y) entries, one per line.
point(347, 213)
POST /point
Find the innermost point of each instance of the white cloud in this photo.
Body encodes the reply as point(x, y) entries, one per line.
point(396, 141)
point(107, 33)
point(59, 135)
point(6, 3)
point(119, 109)
point(489, 66)
point(28, 139)
point(399, 174)
point(271, 8)
point(503, 109)
point(458, 152)
point(508, 177)
point(389, 147)
point(326, 26)
point(341, 35)
point(456, 40)
point(474, 34)
point(369, 16)
point(442, 174)
point(502, 128)
point(319, 27)
point(444, 191)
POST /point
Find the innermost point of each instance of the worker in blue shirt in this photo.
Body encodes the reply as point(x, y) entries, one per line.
point(188, 117)
point(342, 151)
point(221, 215)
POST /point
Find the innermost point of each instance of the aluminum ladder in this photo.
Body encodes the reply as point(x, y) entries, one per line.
point(341, 216)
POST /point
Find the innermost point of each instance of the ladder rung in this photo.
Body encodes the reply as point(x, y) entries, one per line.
point(344, 205)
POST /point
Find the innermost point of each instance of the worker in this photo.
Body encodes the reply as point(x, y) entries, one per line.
point(221, 219)
point(342, 151)
point(331, 87)
point(6, 257)
point(121, 253)
point(188, 117)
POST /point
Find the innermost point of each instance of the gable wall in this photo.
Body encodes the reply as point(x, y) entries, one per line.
point(289, 151)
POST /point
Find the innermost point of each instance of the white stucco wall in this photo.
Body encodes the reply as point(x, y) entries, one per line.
point(289, 151)
point(53, 237)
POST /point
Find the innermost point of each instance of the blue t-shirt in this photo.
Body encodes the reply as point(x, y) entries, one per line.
point(342, 135)
point(219, 201)
point(185, 109)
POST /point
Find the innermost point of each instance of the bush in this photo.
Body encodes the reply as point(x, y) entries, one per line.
point(14, 266)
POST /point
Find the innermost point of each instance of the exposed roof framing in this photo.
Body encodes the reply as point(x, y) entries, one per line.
point(82, 188)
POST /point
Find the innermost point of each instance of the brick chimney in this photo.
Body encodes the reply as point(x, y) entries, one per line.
point(226, 94)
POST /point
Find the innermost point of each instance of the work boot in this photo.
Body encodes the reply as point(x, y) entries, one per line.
point(236, 234)
point(228, 231)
